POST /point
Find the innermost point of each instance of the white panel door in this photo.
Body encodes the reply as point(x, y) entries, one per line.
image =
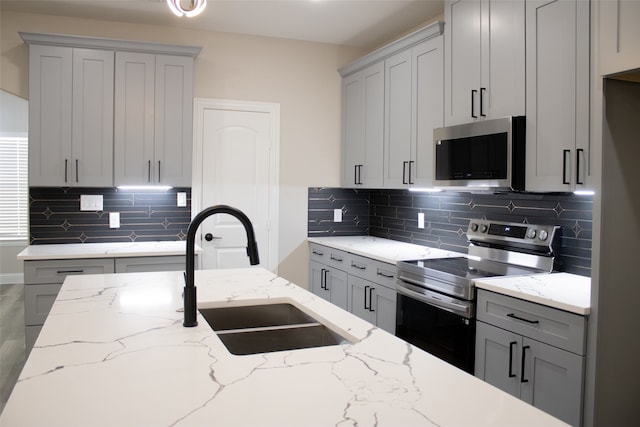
point(236, 170)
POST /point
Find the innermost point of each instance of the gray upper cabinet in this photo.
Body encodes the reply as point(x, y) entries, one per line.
point(557, 128)
point(362, 131)
point(107, 111)
point(154, 119)
point(485, 60)
point(70, 116)
point(392, 100)
point(414, 108)
point(619, 50)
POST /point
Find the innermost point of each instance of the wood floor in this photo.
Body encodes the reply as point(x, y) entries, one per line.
point(12, 350)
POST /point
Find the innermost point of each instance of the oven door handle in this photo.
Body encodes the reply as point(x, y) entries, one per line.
point(433, 298)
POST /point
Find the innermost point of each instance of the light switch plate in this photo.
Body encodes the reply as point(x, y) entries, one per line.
point(182, 200)
point(420, 220)
point(91, 202)
point(337, 215)
point(114, 219)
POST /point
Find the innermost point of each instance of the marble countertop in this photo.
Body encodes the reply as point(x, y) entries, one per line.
point(564, 291)
point(384, 250)
point(113, 352)
point(103, 250)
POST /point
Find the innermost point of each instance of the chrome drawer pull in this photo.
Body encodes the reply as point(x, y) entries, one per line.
point(513, 316)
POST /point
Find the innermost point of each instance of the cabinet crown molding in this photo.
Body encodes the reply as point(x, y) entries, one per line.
point(432, 30)
point(109, 44)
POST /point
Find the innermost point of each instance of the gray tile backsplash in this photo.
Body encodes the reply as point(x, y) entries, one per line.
point(393, 214)
point(55, 216)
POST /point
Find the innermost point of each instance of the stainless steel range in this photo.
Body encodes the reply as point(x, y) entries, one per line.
point(436, 296)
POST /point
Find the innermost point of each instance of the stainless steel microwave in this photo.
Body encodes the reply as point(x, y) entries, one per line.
point(488, 154)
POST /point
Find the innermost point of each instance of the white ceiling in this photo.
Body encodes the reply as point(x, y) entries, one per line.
point(360, 23)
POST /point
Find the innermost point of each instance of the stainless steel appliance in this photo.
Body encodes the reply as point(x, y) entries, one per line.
point(435, 301)
point(488, 154)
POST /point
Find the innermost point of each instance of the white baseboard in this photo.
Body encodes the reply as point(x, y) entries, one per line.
point(11, 278)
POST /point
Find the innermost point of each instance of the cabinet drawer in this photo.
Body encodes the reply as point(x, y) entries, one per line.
point(375, 271)
point(55, 271)
point(146, 264)
point(38, 300)
point(318, 253)
point(330, 256)
point(549, 325)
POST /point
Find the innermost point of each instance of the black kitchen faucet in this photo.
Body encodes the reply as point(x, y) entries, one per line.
point(190, 300)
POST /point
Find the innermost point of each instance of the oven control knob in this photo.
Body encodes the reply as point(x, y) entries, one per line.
point(543, 235)
point(531, 234)
point(474, 227)
point(483, 228)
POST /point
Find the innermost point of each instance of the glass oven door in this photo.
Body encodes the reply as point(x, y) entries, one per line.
point(439, 331)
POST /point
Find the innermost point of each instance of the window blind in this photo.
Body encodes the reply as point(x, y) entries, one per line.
point(14, 188)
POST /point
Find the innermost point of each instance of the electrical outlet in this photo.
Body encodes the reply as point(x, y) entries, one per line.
point(114, 219)
point(182, 200)
point(91, 202)
point(420, 220)
point(337, 215)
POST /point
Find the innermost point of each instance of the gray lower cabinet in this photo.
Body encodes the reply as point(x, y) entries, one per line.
point(360, 285)
point(533, 352)
point(372, 302)
point(329, 283)
point(43, 280)
point(147, 264)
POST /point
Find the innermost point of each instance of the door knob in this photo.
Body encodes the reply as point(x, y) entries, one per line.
point(209, 237)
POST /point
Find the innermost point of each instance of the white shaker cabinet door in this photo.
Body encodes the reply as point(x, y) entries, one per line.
point(134, 118)
point(557, 92)
point(92, 129)
point(427, 107)
point(173, 139)
point(619, 36)
point(462, 62)
point(397, 138)
point(50, 102)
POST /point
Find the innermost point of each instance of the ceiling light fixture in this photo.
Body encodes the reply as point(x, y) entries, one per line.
point(195, 7)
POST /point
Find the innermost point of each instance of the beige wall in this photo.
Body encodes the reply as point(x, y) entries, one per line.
point(300, 76)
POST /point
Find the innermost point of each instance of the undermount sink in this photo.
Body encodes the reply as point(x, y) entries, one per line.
point(264, 328)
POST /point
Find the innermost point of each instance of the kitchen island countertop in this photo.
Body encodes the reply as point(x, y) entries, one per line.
point(113, 352)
